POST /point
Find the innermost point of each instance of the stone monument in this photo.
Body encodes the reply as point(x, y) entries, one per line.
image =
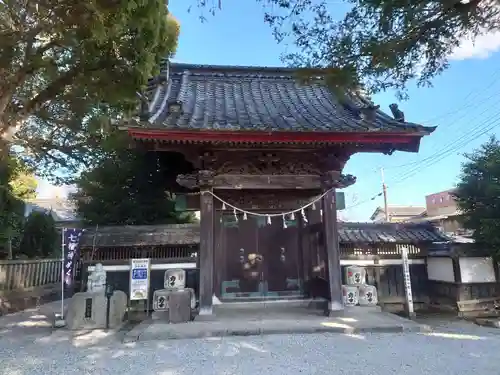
point(175, 302)
point(87, 310)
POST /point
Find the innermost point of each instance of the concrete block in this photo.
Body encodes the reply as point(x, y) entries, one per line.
point(161, 298)
point(179, 310)
point(117, 308)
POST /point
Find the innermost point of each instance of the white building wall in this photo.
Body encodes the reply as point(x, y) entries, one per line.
point(440, 269)
point(477, 270)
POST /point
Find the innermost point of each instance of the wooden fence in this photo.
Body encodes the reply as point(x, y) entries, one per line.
point(23, 275)
point(389, 281)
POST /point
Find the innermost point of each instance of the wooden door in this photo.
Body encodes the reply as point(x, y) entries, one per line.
point(243, 268)
point(279, 247)
point(261, 259)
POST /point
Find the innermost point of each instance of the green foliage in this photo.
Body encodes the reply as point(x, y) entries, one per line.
point(478, 195)
point(22, 181)
point(71, 70)
point(130, 187)
point(379, 44)
point(17, 183)
point(40, 237)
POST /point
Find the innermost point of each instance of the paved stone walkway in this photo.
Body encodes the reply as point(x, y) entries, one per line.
point(276, 319)
point(455, 348)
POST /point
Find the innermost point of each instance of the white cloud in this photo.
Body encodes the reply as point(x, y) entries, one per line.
point(481, 48)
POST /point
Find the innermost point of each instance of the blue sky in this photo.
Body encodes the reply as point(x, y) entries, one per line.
point(463, 102)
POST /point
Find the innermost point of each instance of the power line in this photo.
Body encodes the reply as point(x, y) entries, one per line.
point(454, 146)
point(442, 154)
point(465, 132)
point(494, 78)
point(469, 103)
point(453, 142)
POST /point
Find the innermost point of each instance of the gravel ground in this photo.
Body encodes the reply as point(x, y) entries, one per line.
point(458, 348)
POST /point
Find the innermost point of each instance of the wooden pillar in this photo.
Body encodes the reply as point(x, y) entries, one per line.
point(303, 271)
point(206, 253)
point(331, 236)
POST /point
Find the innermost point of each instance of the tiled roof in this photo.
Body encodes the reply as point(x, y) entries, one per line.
point(141, 235)
point(389, 232)
point(60, 209)
point(255, 99)
point(189, 234)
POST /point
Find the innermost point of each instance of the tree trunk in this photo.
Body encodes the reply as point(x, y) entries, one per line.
point(9, 249)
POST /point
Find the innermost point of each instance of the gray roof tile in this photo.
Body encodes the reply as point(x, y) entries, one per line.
point(141, 235)
point(254, 98)
point(389, 232)
point(188, 234)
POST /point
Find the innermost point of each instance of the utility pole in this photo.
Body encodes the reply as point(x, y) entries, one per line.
point(384, 191)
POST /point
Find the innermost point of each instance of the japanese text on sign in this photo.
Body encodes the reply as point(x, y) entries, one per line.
point(407, 279)
point(71, 252)
point(139, 279)
point(140, 273)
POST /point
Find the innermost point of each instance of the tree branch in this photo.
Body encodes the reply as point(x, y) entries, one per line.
point(50, 91)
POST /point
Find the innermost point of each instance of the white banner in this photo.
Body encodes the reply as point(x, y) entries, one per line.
point(407, 280)
point(139, 279)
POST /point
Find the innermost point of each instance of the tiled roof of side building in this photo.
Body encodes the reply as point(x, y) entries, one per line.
point(256, 99)
point(189, 234)
point(407, 233)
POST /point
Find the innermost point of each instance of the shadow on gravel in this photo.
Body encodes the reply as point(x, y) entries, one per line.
point(28, 346)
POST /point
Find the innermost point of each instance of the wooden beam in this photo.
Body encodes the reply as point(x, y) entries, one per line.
point(248, 200)
point(330, 227)
point(226, 181)
point(206, 253)
point(237, 136)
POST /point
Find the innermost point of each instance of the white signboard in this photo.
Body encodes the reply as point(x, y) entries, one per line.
point(407, 280)
point(139, 279)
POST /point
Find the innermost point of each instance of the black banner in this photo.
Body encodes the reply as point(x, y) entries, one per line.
point(71, 246)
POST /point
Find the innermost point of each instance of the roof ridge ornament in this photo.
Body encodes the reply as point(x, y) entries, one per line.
point(397, 113)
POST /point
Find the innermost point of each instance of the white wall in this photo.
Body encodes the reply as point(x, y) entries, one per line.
point(440, 269)
point(477, 270)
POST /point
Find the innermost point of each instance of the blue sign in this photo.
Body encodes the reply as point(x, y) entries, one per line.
point(139, 274)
